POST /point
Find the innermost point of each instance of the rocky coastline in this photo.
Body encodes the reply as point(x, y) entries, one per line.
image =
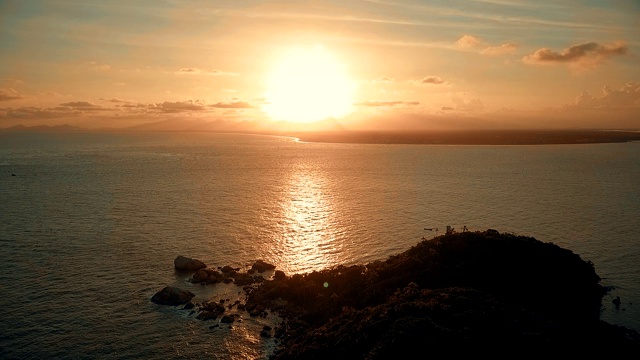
point(459, 293)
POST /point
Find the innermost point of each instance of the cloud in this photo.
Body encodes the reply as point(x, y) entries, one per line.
point(232, 105)
point(221, 73)
point(436, 80)
point(466, 104)
point(72, 109)
point(627, 96)
point(124, 111)
point(116, 100)
point(198, 71)
point(383, 79)
point(99, 67)
point(473, 43)
point(9, 94)
point(12, 81)
point(386, 103)
point(81, 106)
point(504, 49)
point(188, 71)
point(468, 42)
point(583, 55)
point(179, 106)
point(30, 112)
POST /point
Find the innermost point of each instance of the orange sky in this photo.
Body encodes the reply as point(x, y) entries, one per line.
point(411, 64)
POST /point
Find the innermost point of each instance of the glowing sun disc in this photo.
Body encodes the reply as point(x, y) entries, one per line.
point(308, 85)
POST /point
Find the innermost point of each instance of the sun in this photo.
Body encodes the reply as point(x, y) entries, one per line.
point(308, 85)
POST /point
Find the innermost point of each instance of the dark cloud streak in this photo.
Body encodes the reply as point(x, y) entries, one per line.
point(577, 53)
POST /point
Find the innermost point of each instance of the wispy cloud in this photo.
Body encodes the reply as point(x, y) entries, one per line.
point(387, 103)
point(232, 105)
point(198, 71)
point(435, 80)
point(503, 19)
point(10, 94)
point(627, 96)
point(464, 102)
point(179, 106)
point(310, 16)
point(84, 106)
point(468, 42)
point(383, 79)
point(98, 67)
point(473, 43)
point(582, 55)
point(504, 49)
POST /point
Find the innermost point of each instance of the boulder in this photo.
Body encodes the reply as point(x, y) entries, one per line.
point(200, 276)
point(261, 266)
point(243, 279)
point(207, 315)
point(171, 295)
point(213, 306)
point(183, 263)
point(227, 319)
point(228, 270)
point(279, 275)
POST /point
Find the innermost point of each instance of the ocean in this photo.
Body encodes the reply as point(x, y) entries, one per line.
point(90, 224)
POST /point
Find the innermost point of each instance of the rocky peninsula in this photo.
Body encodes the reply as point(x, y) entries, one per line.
point(460, 293)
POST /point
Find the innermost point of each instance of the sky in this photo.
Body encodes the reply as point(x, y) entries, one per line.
point(320, 65)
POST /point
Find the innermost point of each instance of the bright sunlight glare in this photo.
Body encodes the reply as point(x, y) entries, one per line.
point(308, 85)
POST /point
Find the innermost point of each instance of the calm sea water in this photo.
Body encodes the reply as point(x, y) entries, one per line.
point(91, 223)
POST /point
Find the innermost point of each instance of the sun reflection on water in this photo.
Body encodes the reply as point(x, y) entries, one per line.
point(308, 240)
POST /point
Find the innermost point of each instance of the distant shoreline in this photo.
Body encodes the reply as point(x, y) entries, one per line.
point(471, 137)
point(417, 137)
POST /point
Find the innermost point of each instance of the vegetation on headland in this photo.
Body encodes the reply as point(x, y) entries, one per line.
point(473, 292)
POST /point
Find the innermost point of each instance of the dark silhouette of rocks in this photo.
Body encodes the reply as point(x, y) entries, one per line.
point(171, 295)
point(466, 293)
point(616, 302)
point(182, 263)
point(470, 137)
point(261, 266)
point(470, 292)
point(207, 276)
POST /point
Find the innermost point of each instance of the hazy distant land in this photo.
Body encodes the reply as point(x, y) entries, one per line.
point(472, 137)
point(427, 137)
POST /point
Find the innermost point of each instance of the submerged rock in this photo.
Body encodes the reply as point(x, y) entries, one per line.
point(171, 295)
point(183, 263)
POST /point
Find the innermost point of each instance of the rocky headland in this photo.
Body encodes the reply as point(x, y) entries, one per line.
point(461, 293)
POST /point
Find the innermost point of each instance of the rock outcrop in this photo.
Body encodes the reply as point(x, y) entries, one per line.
point(469, 293)
point(479, 292)
point(171, 295)
point(262, 266)
point(183, 263)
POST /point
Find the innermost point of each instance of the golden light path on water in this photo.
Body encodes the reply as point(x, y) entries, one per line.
point(308, 238)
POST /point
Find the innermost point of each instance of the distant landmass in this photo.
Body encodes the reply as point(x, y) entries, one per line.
point(43, 128)
point(426, 137)
point(472, 137)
